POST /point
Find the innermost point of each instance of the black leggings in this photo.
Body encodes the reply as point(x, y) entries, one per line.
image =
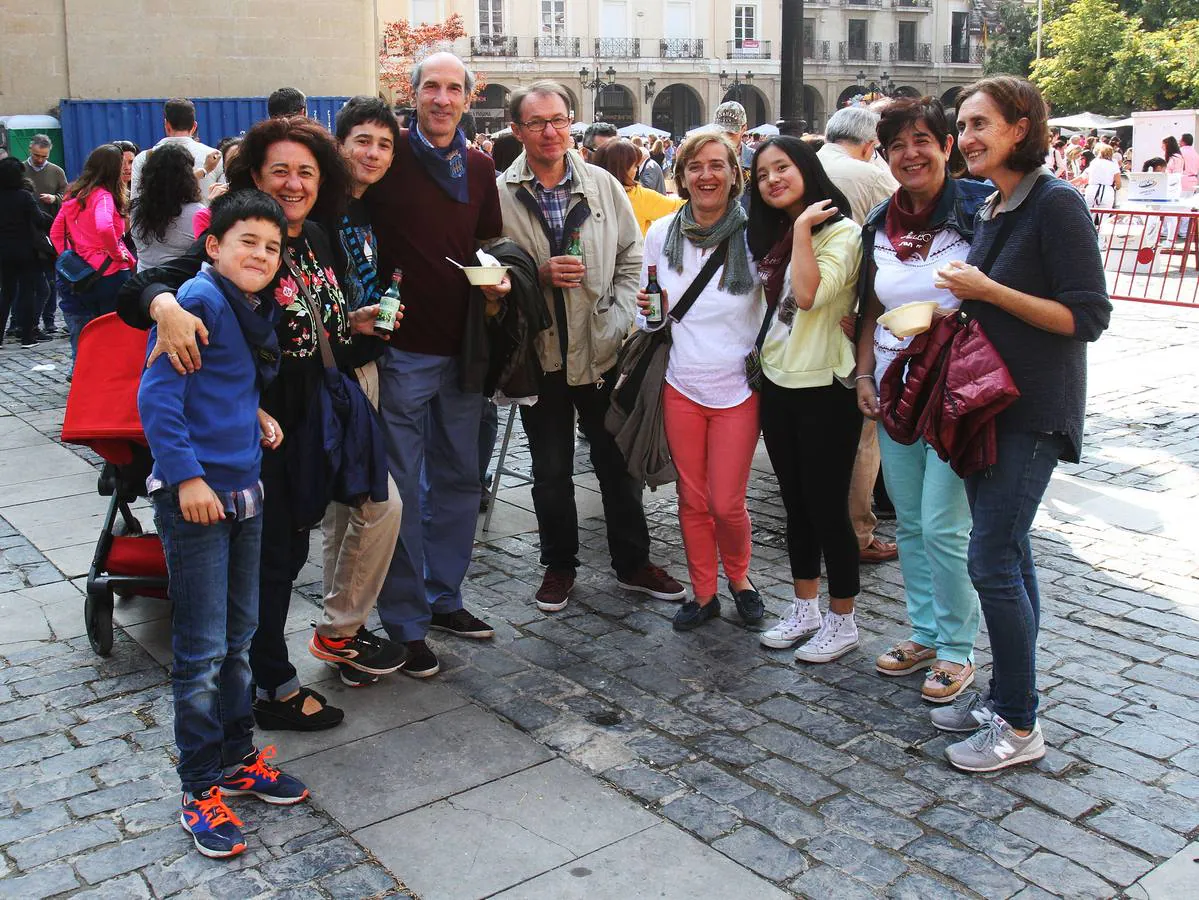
point(812, 436)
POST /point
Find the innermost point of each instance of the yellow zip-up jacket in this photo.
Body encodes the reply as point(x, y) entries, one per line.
point(806, 348)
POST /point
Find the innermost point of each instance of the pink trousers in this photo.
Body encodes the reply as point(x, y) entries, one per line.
point(712, 450)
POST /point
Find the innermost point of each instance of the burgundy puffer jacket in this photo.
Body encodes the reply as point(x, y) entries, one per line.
point(956, 385)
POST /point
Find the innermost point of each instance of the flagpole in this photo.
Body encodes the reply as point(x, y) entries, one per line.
point(1040, 10)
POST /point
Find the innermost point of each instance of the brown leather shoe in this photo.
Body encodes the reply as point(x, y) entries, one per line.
point(654, 581)
point(877, 551)
point(555, 589)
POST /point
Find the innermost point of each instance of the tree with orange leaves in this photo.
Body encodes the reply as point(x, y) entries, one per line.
point(404, 44)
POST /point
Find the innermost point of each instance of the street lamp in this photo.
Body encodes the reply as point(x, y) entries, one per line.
point(597, 84)
point(650, 86)
point(734, 83)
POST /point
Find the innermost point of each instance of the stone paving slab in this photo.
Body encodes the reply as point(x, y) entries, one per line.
point(480, 842)
point(660, 862)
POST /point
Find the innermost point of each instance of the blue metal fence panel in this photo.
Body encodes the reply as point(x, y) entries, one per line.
point(88, 123)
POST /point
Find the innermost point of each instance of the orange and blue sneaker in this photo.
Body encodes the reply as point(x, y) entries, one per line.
point(214, 828)
point(258, 777)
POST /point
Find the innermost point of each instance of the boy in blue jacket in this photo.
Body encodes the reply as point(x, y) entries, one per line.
point(205, 431)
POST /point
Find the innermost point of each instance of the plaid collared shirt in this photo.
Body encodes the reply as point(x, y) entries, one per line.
point(239, 505)
point(554, 202)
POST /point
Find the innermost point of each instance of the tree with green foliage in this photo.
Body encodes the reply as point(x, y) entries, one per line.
point(1108, 59)
point(1011, 41)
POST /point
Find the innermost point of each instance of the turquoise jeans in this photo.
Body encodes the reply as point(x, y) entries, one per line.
point(932, 529)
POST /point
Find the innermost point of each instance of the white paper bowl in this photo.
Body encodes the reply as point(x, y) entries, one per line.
point(909, 319)
point(485, 275)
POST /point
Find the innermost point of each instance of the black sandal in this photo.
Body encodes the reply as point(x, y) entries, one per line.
point(288, 715)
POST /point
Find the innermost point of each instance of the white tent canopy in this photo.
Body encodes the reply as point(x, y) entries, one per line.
point(1084, 120)
point(639, 130)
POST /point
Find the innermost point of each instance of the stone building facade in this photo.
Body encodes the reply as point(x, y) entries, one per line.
point(669, 63)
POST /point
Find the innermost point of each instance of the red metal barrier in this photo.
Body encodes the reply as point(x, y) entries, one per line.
point(1150, 256)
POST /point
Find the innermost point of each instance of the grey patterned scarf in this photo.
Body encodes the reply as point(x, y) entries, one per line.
point(735, 277)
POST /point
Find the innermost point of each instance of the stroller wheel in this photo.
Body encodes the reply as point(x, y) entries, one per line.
point(97, 616)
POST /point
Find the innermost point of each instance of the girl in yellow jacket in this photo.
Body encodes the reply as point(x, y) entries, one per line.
point(808, 252)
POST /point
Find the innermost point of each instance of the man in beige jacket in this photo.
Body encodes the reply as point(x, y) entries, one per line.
point(576, 221)
point(850, 139)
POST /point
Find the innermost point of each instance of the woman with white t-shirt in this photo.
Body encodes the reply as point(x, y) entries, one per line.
point(1103, 179)
point(927, 224)
point(711, 415)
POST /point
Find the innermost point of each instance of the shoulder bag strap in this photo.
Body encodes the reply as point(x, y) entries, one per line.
point(1007, 222)
point(715, 261)
point(314, 311)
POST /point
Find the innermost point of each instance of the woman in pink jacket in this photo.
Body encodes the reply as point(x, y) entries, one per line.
point(92, 223)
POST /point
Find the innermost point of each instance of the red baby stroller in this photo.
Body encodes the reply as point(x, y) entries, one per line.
point(102, 414)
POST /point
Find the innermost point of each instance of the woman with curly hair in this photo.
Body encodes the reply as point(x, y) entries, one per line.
point(296, 161)
point(162, 215)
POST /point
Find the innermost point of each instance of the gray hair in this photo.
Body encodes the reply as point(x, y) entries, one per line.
point(41, 140)
point(468, 82)
point(852, 125)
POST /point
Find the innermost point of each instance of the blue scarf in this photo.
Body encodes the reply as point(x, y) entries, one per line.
point(445, 165)
point(257, 325)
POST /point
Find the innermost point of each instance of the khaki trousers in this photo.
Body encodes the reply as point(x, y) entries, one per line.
point(358, 544)
point(861, 487)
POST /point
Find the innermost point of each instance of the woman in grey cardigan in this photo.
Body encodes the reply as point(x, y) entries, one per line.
point(1034, 281)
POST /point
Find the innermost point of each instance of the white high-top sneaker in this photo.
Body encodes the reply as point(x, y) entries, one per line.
point(836, 637)
point(803, 620)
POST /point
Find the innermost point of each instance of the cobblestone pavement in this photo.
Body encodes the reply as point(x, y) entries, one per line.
point(827, 781)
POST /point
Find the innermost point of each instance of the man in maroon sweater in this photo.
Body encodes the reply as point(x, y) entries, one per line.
point(438, 200)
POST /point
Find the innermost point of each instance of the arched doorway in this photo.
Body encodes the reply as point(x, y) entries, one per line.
point(757, 110)
point(615, 104)
point(677, 109)
point(813, 108)
point(490, 110)
point(906, 90)
point(576, 110)
point(950, 98)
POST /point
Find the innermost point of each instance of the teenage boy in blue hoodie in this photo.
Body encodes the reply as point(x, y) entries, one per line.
point(205, 430)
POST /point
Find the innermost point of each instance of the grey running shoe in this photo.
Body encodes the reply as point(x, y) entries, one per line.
point(996, 746)
point(968, 713)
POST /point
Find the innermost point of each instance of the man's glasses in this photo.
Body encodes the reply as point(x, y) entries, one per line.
point(558, 123)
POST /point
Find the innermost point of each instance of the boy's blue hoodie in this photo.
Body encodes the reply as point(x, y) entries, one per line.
point(206, 424)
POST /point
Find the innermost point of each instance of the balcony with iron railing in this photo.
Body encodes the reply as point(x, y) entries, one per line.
point(557, 46)
point(914, 54)
point(681, 48)
point(747, 49)
point(817, 51)
point(914, 5)
point(863, 4)
point(868, 51)
point(964, 54)
point(617, 48)
point(493, 45)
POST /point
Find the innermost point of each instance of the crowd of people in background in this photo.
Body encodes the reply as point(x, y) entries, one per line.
point(258, 267)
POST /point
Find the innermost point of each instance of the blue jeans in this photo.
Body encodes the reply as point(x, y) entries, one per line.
point(1004, 501)
point(214, 592)
point(932, 529)
point(432, 431)
point(82, 308)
